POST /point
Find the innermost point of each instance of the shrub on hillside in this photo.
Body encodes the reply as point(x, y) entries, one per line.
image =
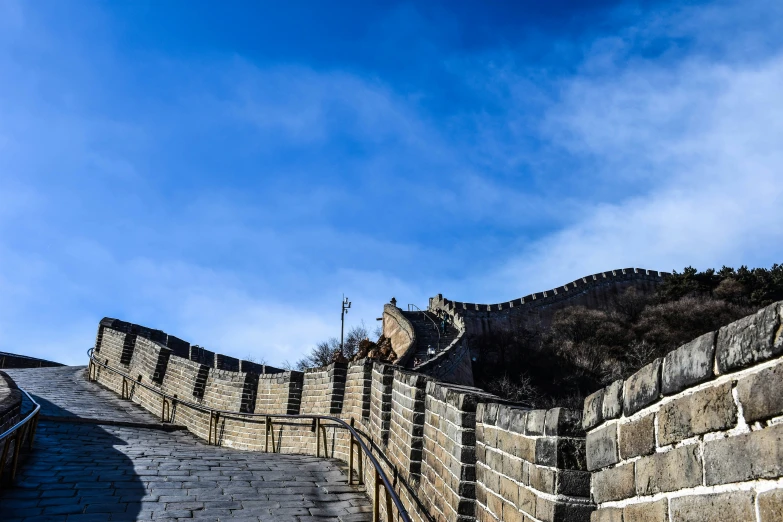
point(584, 349)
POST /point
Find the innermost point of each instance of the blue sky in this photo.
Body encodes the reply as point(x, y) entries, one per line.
point(226, 172)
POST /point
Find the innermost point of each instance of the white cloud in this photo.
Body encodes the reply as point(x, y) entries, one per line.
point(695, 143)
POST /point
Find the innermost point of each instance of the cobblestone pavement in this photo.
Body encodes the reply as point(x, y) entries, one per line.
point(65, 392)
point(94, 472)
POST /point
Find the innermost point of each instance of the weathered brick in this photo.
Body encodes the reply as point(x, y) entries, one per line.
point(745, 457)
point(511, 419)
point(614, 484)
point(721, 507)
point(676, 469)
point(573, 483)
point(689, 364)
point(637, 437)
point(647, 512)
point(750, 340)
point(642, 388)
point(535, 422)
point(711, 409)
point(564, 422)
point(771, 505)
point(612, 406)
point(607, 515)
point(593, 412)
point(761, 394)
point(602, 447)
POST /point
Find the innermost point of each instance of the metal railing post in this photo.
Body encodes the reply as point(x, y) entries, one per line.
point(266, 434)
point(17, 446)
point(376, 504)
point(317, 437)
point(350, 461)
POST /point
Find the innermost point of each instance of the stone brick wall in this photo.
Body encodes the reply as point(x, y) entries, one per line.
point(454, 364)
point(695, 436)
point(448, 472)
point(10, 402)
point(423, 432)
point(399, 330)
point(324, 389)
point(530, 465)
point(358, 382)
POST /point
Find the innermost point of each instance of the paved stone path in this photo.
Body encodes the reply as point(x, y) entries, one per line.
point(98, 472)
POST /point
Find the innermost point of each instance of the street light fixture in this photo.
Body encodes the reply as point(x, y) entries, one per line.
point(346, 306)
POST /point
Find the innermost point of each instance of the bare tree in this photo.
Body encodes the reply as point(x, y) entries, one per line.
point(324, 352)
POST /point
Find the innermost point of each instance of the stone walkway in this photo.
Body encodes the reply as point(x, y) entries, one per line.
point(98, 472)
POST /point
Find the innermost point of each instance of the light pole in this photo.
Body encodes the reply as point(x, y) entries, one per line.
point(346, 306)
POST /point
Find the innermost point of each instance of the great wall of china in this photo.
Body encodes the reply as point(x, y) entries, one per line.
point(696, 436)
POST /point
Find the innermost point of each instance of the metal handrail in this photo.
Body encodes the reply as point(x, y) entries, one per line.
point(410, 305)
point(380, 475)
point(17, 433)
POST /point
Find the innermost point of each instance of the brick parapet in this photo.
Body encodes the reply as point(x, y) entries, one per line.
point(530, 465)
point(448, 471)
point(697, 434)
point(380, 403)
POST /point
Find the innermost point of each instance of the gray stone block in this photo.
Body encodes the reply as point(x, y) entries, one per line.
point(761, 394)
point(565, 422)
point(593, 413)
point(676, 469)
point(602, 447)
point(689, 364)
point(512, 419)
point(607, 515)
point(637, 437)
point(614, 484)
point(535, 422)
point(750, 340)
point(771, 505)
point(647, 512)
point(721, 507)
point(574, 483)
point(711, 409)
point(613, 400)
point(755, 455)
point(642, 388)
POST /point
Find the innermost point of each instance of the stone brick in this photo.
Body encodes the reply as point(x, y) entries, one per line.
point(745, 457)
point(647, 512)
point(637, 437)
point(689, 364)
point(711, 409)
point(750, 340)
point(771, 506)
point(607, 515)
point(511, 419)
point(593, 410)
point(642, 388)
point(676, 469)
point(613, 400)
point(614, 484)
point(535, 422)
point(721, 507)
point(573, 483)
point(761, 394)
point(602, 447)
point(564, 422)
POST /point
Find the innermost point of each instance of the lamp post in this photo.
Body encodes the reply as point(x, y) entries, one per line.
point(346, 306)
